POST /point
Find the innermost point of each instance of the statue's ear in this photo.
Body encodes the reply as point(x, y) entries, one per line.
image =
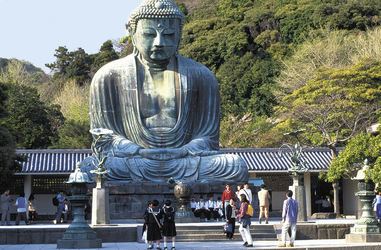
point(133, 43)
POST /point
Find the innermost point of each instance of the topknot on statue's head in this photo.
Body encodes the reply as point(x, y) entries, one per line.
point(156, 9)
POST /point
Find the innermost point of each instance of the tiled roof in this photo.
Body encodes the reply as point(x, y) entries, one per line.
point(269, 159)
point(52, 161)
point(63, 161)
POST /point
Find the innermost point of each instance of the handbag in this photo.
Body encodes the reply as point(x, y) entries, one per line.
point(144, 236)
point(228, 228)
point(158, 223)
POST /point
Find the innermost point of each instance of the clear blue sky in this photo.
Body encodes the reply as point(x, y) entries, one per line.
point(31, 30)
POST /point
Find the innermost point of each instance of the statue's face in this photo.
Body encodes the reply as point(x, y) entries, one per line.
point(157, 39)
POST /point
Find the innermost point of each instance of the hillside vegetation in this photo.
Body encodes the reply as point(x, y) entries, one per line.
point(261, 51)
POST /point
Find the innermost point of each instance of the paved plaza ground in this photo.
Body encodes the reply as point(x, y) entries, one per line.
point(299, 244)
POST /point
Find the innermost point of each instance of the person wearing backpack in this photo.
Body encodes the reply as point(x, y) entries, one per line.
point(169, 227)
point(244, 220)
point(22, 205)
point(60, 207)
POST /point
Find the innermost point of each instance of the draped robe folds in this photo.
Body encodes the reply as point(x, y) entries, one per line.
point(114, 105)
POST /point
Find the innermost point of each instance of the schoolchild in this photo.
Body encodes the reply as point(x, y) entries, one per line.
point(201, 209)
point(230, 217)
point(151, 217)
point(219, 208)
point(169, 226)
point(193, 204)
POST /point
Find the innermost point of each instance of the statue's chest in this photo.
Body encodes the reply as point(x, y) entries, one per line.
point(157, 99)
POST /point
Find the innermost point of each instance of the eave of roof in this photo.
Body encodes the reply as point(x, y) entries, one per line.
point(63, 161)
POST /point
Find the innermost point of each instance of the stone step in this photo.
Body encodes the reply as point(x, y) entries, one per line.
point(215, 233)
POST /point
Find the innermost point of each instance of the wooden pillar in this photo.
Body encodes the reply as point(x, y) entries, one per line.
point(307, 184)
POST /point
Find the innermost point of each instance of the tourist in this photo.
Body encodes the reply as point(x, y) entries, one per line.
point(247, 192)
point(201, 210)
point(152, 217)
point(219, 208)
point(377, 205)
point(289, 219)
point(67, 210)
point(226, 195)
point(60, 207)
point(169, 226)
point(32, 208)
point(5, 205)
point(244, 220)
point(21, 204)
point(264, 204)
point(238, 193)
point(230, 217)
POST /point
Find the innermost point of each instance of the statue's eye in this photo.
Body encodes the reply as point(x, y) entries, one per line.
point(149, 33)
point(169, 34)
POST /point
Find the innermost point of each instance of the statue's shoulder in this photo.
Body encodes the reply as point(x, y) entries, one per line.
point(117, 66)
point(197, 67)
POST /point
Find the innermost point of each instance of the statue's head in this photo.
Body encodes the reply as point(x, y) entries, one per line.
point(156, 28)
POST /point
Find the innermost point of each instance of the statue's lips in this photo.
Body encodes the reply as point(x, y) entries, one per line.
point(158, 51)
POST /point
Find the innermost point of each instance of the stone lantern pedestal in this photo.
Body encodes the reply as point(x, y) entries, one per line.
point(366, 229)
point(100, 213)
point(79, 234)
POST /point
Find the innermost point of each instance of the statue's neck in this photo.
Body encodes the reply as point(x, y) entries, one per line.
point(154, 65)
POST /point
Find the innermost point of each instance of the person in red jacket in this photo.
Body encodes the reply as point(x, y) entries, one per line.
point(226, 195)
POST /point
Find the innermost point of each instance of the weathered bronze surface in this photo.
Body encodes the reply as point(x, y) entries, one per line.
point(163, 109)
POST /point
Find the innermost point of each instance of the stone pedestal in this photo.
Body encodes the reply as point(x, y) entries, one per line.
point(100, 214)
point(362, 238)
point(366, 229)
point(79, 234)
point(300, 196)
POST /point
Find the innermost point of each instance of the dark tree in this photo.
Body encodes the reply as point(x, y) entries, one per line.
point(27, 119)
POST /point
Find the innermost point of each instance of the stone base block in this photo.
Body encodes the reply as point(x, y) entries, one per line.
point(186, 220)
point(128, 200)
point(79, 244)
point(323, 216)
point(362, 238)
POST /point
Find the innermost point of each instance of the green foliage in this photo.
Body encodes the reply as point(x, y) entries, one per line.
point(8, 157)
point(105, 55)
point(27, 119)
point(22, 72)
point(183, 8)
point(358, 148)
point(295, 26)
point(331, 49)
point(74, 135)
point(349, 15)
point(232, 9)
point(72, 65)
point(250, 132)
point(337, 104)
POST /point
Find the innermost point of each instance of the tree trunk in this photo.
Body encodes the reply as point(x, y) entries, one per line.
point(335, 186)
point(336, 201)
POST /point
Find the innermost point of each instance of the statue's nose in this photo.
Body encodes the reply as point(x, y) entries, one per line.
point(159, 41)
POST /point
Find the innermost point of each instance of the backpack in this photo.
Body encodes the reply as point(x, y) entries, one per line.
point(169, 215)
point(249, 210)
point(55, 201)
